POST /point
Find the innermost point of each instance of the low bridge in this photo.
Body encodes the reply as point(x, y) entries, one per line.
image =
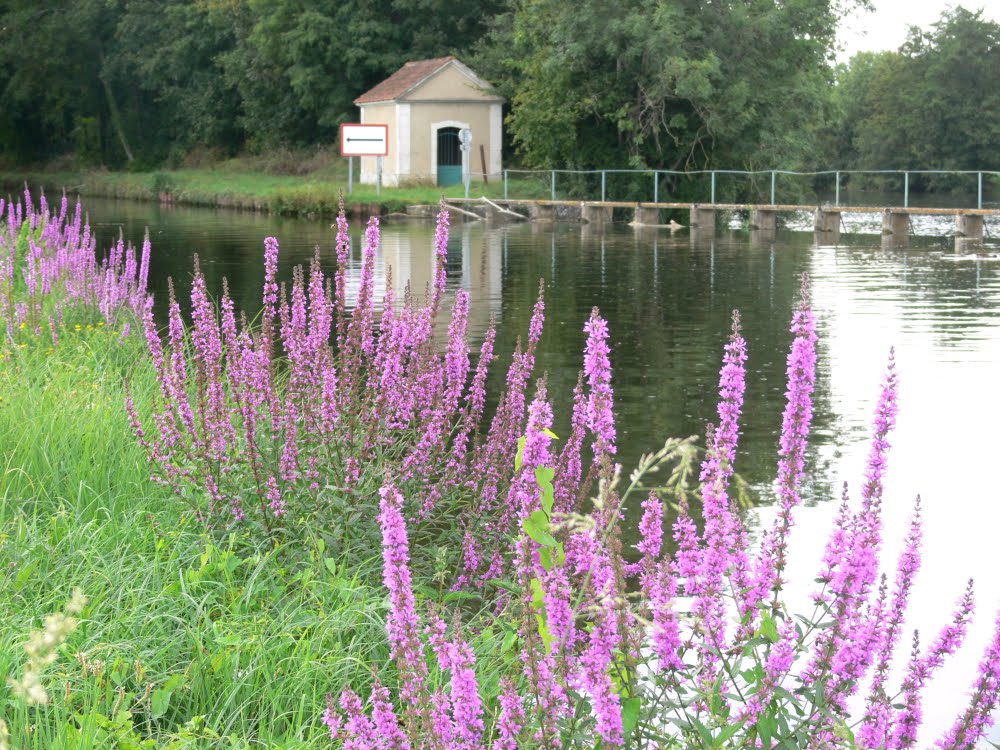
point(969, 222)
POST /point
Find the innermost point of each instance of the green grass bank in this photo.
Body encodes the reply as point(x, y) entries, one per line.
point(188, 640)
point(294, 185)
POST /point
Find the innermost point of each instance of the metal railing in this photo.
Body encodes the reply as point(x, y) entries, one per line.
point(550, 176)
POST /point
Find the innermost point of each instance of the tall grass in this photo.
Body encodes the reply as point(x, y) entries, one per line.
point(188, 641)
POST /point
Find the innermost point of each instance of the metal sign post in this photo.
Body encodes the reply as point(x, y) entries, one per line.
point(378, 175)
point(465, 136)
point(350, 175)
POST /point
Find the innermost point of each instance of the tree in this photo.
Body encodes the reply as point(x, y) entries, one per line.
point(934, 104)
point(678, 84)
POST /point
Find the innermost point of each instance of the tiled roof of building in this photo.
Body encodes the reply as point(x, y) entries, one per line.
point(403, 80)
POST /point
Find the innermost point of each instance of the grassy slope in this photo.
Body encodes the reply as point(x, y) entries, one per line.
point(257, 184)
point(204, 644)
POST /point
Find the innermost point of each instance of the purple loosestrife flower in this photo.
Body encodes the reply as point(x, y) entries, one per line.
point(660, 589)
point(560, 617)
point(320, 309)
point(651, 531)
point(866, 533)
point(524, 491)
point(569, 467)
point(510, 722)
point(270, 299)
point(289, 464)
point(795, 424)
point(876, 729)
point(719, 552)
point(597, 369)
point(340, 277)
point(276, 504)
point(596, 660)
point(852, 580)
point(386, 722)
point(442, 729)
point(365, 310)
point(920, 669)
point(456, 656)
point(440, 255)
point(476, 398)
point(354, 729)
point(973, 724)
point(457, 356)
point(777, 665)
point(402, 624)
point(687, 558)
point(178, 371)
point(836, 547)
point(207, 360)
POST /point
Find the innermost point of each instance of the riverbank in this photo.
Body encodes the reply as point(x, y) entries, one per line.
point(315, 193)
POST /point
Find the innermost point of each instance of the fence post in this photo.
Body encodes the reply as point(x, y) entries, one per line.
point(604, 175)
point(712, 198)
point(772, 186)
point(979, 198)
point(906, 189)
point(505, 184)
point(553, 184)
point(836, 200)
point(656, 186)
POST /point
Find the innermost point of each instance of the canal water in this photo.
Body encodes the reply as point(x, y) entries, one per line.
point(668, 299)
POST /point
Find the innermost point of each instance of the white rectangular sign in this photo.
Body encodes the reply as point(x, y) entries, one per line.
point(364, 140)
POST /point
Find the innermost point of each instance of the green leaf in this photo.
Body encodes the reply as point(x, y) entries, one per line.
point(630, 715)
point(550, 433)
point(461, 596)
point(703, 732)
point(159, 702)
point(536, 526)
point(505, 585)
point(546, 556)
point(765, 729)
point(519, 456)
point(544, 476)
point(331, 566)
point(769, 629)
point(727, 733)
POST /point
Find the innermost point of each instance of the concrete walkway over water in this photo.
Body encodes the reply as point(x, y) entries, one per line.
point(969, 222)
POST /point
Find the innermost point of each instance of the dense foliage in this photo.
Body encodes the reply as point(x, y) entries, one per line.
point(672, 85)
point(134, 83)
point(933, 104)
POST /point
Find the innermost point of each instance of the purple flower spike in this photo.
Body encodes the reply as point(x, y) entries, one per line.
point(403, 624)
point(597, 369)
point(978, 717)
point(795, 424)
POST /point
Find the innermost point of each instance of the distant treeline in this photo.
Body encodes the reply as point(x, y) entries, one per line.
point(669, 84)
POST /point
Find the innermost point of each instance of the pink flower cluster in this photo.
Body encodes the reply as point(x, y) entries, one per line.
point(49, 264)
point(705, 648)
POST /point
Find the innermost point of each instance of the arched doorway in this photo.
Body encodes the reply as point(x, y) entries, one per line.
point(449, 157)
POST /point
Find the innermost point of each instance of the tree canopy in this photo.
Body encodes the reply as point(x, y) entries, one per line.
point(933, 104)
point(668, 84)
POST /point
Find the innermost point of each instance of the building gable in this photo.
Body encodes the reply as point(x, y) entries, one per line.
point(438, 79)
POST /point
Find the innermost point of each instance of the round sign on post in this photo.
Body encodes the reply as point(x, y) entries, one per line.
point(465, 136)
